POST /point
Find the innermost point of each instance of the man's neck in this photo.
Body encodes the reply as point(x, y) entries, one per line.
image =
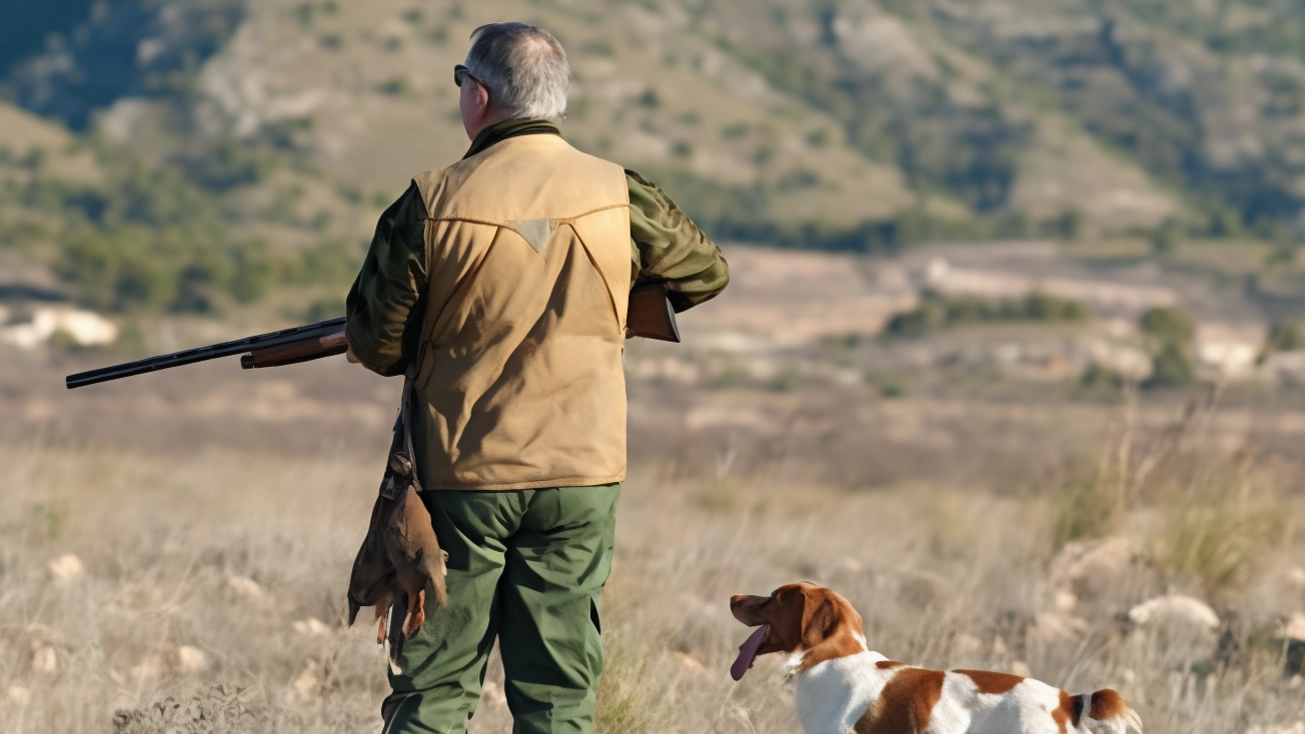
point(489, 120)
point(509, 129)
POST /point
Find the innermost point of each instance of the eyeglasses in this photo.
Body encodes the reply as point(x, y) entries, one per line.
point(461, 71)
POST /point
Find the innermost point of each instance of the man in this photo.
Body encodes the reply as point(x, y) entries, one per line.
point(499, 285)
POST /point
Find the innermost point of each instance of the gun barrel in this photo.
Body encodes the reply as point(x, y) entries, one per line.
point(311, 332)
point(650, 316)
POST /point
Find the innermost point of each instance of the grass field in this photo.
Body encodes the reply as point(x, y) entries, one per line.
point(211, 556)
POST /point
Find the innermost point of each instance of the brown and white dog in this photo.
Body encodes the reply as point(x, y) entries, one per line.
point(843, 687)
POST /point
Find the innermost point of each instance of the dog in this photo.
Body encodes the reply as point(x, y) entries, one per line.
point(842, 687)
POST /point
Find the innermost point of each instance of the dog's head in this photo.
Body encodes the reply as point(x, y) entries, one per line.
point(797, 617)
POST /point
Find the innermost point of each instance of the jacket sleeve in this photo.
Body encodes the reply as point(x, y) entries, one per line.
point(671, 247)
point(383, 314)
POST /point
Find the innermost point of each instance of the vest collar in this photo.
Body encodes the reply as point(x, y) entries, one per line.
point(509, 129)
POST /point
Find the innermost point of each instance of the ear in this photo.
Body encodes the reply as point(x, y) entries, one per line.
point(818, 619)
point(482, 100)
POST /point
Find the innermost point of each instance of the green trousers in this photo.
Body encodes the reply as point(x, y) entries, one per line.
point(527, 567)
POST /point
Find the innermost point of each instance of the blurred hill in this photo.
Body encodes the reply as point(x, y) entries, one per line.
point(190, 153)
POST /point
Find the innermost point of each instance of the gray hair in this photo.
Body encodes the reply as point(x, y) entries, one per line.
point(523, 67)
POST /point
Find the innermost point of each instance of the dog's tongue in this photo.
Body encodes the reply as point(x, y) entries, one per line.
point(748, 653)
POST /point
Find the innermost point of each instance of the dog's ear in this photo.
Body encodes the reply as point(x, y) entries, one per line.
point(819, 619)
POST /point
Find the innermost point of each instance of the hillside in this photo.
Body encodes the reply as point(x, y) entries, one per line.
point(836, 125)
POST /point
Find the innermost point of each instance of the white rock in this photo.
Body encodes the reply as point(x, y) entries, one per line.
point(86, 328)
point(1066, 600)
point(313, 627)
point(45, 660)
point(968, 644)
point(67, 568)
point(246, 587)
point(310, 680)
point(191, 659)
point(999, 648)
point(1293, 628)
point(1087, 569)
point(1059, 629)
point(1175, 609)
point(19, 695)
point(688, 662)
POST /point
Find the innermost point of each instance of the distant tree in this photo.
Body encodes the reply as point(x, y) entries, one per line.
point(1284, 336)
point(1168, 325)
point(1071, 224)
point(1171, 368)
point(1171, 333)
point(1226, 223)
point(1099, 377)
point(1166, 238)
point(1046, 307)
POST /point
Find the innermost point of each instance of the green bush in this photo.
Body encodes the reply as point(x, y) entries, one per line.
point(1166, 237)
point(1168, 325)
point(1096, 377)
point(936, 312)
point(890, 385)
point(398, 86)
point(1170, 367)
point(1170, 332)
point(1044, 307)
point(1285, 336)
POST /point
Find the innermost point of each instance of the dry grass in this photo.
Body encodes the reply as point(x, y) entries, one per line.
point(203, 573)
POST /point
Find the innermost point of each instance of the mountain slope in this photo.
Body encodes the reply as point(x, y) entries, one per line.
point(826, 123)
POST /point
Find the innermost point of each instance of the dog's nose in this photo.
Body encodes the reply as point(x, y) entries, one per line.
point(737, 599)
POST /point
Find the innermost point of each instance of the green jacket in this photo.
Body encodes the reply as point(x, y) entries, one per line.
point(383, 306)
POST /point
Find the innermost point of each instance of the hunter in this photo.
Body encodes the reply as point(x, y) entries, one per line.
point(499, 285)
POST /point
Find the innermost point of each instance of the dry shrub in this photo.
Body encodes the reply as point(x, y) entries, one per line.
point(624, 704)
point(1219, 513)
point(1085, 506)
point(1220, 533)
point(219, 710)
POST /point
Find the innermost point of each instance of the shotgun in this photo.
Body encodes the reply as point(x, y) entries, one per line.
point(650, 316)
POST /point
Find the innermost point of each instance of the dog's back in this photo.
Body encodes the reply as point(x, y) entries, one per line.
point(916, 701)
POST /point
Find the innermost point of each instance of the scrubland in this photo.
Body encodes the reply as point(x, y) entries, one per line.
point(186, 572)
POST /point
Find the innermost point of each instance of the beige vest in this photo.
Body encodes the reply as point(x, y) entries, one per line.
point(520, 382)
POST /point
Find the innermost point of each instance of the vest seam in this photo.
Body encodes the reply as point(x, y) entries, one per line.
point(616, 312)
point(507, 224)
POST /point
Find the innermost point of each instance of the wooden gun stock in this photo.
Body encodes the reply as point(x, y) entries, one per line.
point(297, 352)
point(650, 315)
